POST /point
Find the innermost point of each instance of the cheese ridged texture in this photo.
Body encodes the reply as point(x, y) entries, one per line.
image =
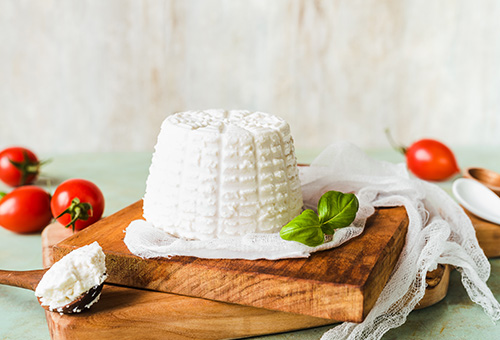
point(222, 174)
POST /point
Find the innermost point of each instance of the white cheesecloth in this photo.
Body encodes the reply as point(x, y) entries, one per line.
point(438, 232)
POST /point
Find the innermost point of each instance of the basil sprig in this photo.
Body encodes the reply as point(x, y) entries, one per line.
point(335, 210)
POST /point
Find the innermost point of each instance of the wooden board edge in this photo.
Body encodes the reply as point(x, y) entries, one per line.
point(323, 311)
point(383, 269)
point(487, 234)
point(438, 282)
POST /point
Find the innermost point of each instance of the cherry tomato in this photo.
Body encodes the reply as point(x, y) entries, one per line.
point(77, 203)
point(428, 159)
point(18, 166)
point(25, 210)
point(431, 160)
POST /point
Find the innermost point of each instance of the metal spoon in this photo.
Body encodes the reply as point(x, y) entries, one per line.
point(29, 279)
point(477, 198)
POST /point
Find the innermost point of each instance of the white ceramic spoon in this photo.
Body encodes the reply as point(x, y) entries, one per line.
point(477, 198)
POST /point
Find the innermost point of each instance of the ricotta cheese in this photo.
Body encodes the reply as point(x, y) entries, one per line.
point(71, 276)
point(222, 174)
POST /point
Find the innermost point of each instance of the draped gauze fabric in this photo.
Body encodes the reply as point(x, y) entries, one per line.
point(439, 232)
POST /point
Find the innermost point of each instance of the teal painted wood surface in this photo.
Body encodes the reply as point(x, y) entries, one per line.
point(122, 178)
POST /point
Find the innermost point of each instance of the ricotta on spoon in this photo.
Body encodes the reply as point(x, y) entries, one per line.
point(73, 275)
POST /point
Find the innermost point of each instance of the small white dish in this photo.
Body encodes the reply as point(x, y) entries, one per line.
point(477, 198)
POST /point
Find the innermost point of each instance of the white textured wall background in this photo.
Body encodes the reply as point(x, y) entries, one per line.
point(102, 75)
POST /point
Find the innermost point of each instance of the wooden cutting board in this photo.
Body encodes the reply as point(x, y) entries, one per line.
point(125, 313)
point(340, 284)
point(488, 235)
point(129, 313)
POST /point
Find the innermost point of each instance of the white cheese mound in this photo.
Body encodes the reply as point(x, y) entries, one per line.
point(71, 276)
point(222, 174)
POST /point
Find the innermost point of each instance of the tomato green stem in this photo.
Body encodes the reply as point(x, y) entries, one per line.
point(78, 211)
point(28, 167)
point(397, 147)
point(2, 194)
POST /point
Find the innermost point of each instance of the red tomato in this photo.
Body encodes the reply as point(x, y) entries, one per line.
point(431, 160)
point(77, 203)
point(18, 166)
point(25, 210)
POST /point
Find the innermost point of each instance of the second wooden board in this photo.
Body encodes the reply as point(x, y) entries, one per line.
point(488, 235)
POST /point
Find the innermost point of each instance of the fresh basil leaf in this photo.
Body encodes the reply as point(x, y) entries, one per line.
point(336, 210)
point(305, 229)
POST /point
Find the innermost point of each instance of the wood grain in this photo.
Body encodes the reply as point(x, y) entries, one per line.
point(125, 313)
point(437, 286)
point(129, 313)
point(488, 235)
point(340, 284)
point(28, 279)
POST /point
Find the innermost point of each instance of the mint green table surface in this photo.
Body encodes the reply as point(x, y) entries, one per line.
point(122, 177)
